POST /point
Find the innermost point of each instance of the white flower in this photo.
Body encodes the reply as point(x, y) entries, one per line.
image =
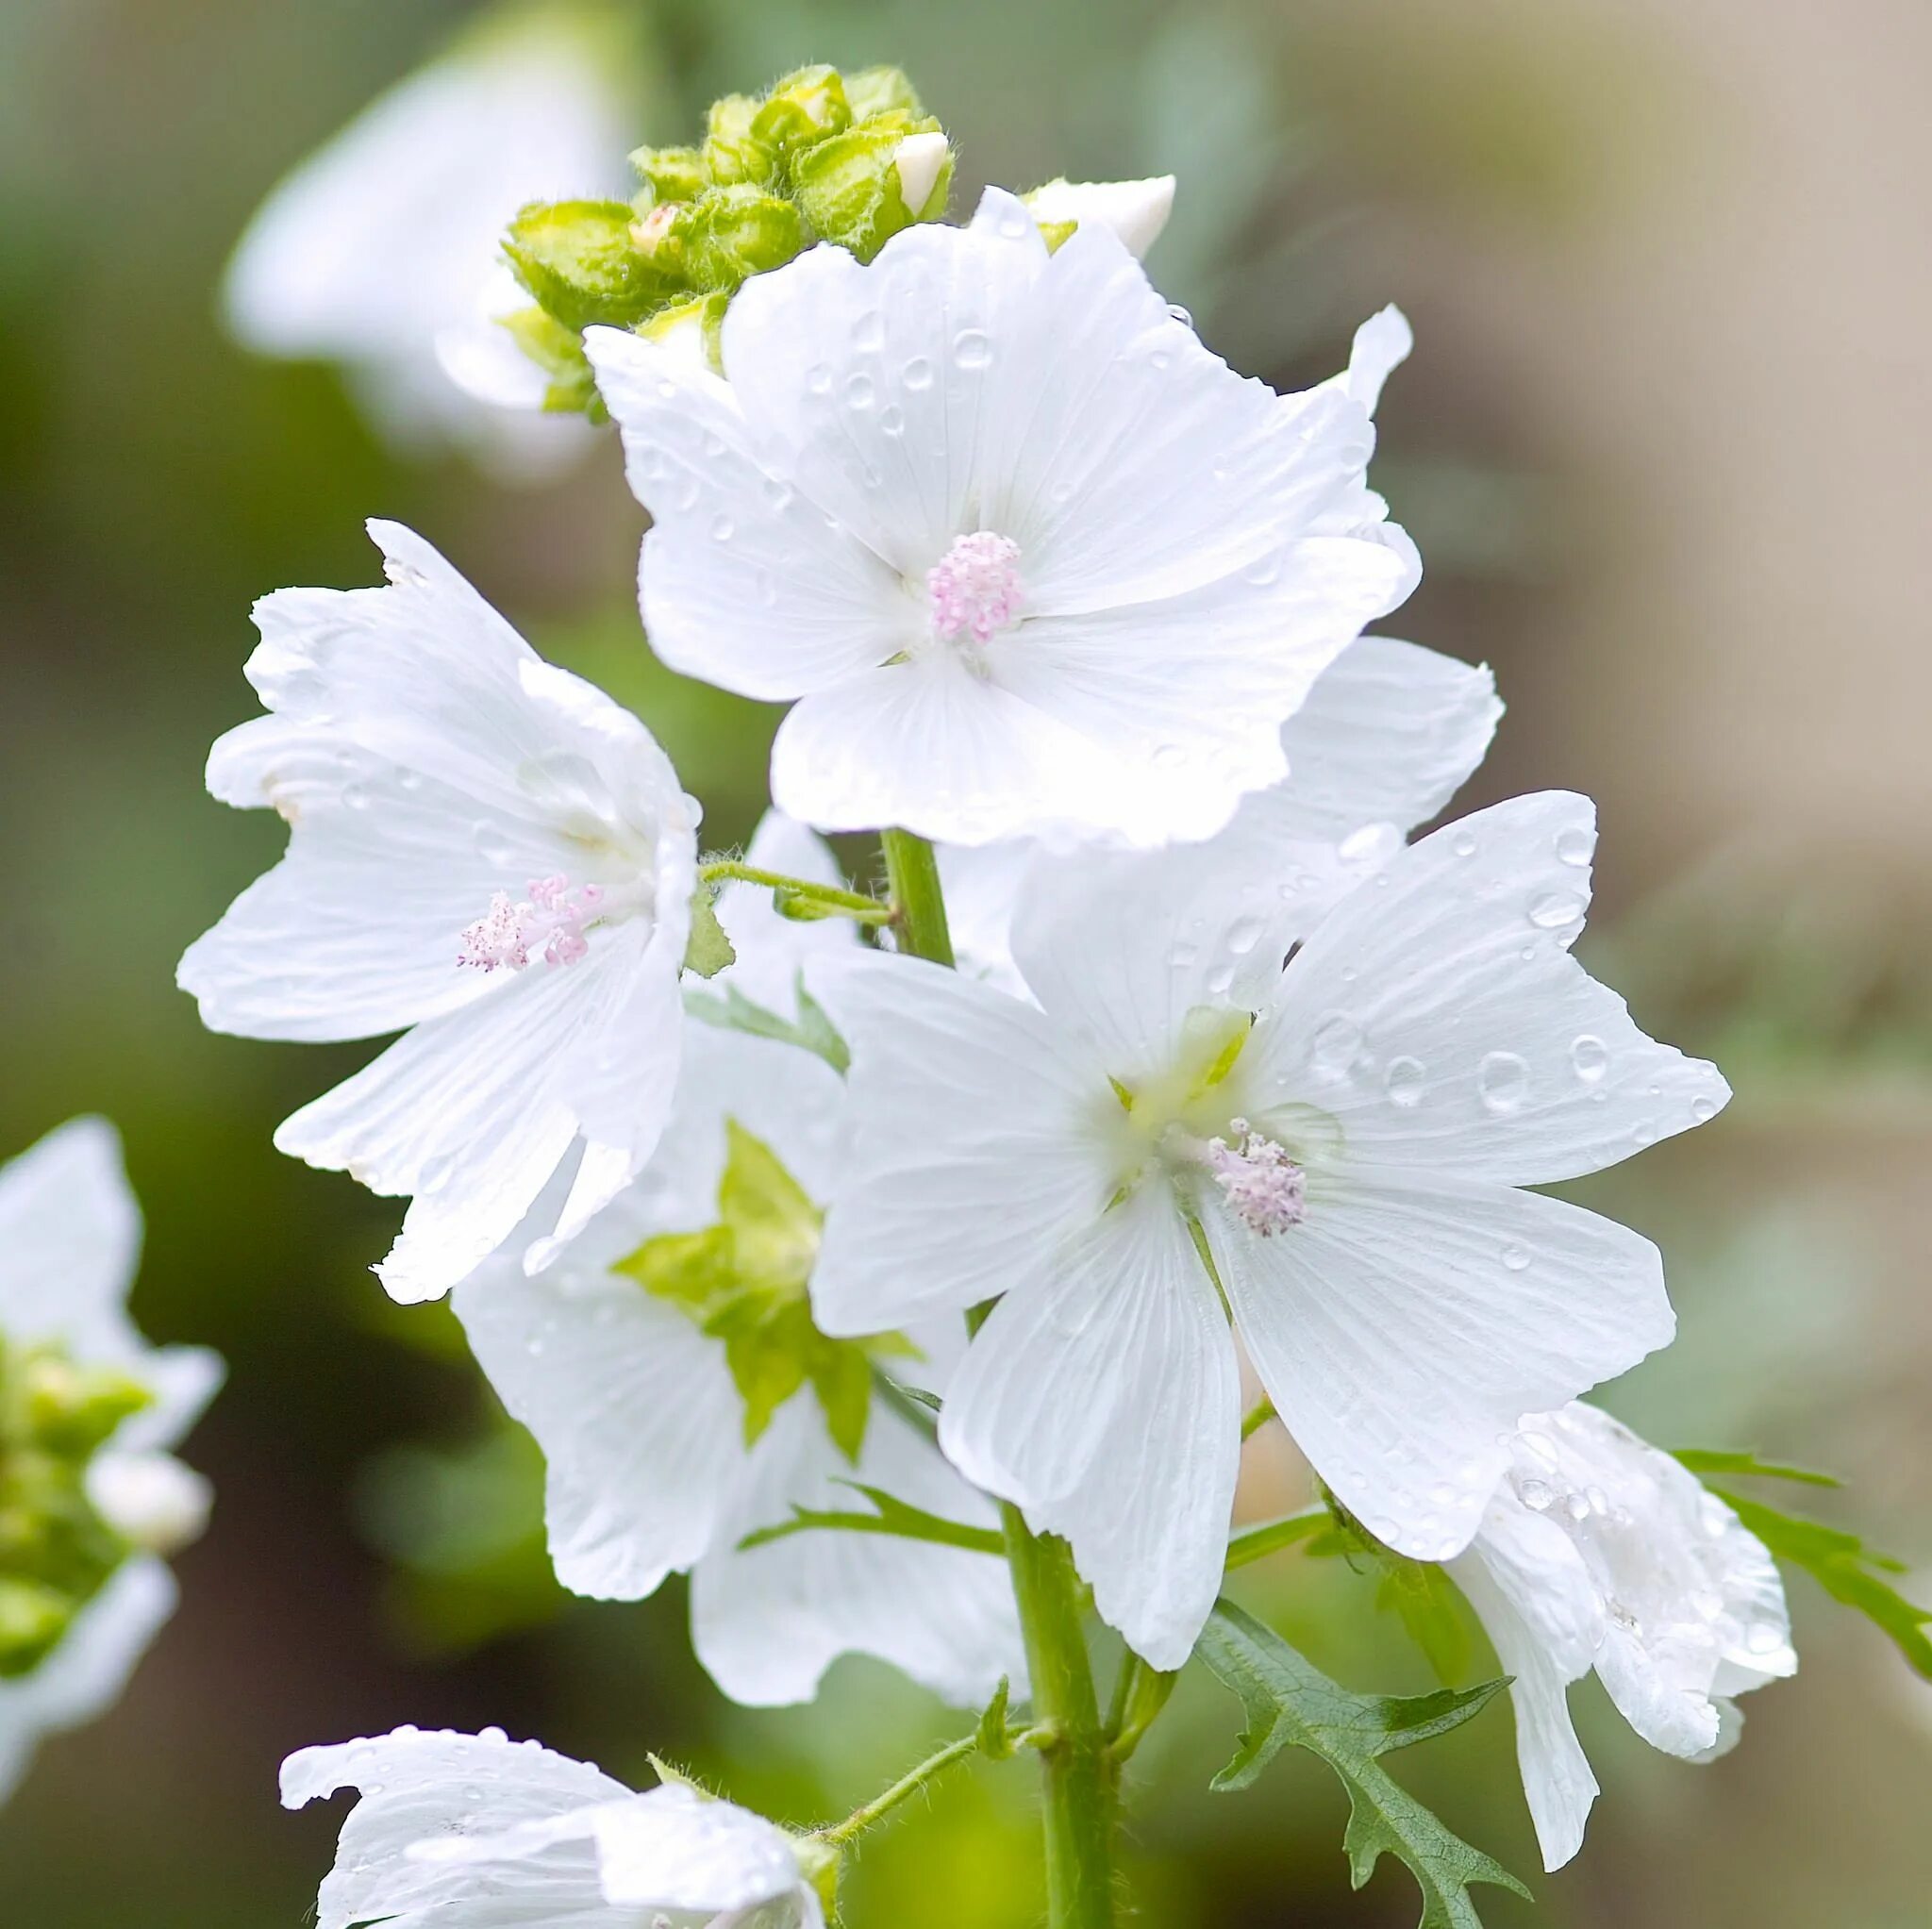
point(70, 1233)
point(1029, 555)
point(478, 1832)
point(1349, 1135)
point(1135, 211)
point(382, 250)
point(1599, 1551)
point(656, 1463)
point(483, 850)
point(1388, 734)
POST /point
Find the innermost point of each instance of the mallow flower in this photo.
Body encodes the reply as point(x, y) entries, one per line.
point(1179, 1129)
point(1027, 555)
point(1601, 1552)
point(459, 1831)
point(1388, 734)
point(92, 1499)
point(668, 1365)
point(486, 854)
point(381, 250)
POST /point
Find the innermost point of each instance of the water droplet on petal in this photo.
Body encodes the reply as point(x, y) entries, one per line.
point(1703, 1109)
point(1535, 1495)
point(1180, 314)
point(1574, 845)
point(1503, 1081)
point(1243, 935)
point(1590, 1058)
point(818, 379)
point(892, 420)
point(859, 392)
point(971, 349)
point(917, 374)
point(1404, 1079)
point(723, 529)
point(1555, 908)
point(1515, 1257)
point(1464, 846)
point(1337, 1040)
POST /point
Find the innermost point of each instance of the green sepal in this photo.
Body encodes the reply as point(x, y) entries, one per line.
point(994, 1743)
point(581, 262)
point(708, 950)
point(730, 233)
point(559, 353)
point(849, 187)
point(1057, 234)
point(805, 108)
point(34, 1619)
point(882, 90)
point(668, 173)
point(731, 152)
point(1290, 1704)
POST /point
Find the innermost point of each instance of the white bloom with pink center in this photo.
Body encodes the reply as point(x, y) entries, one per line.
point(485, 853)
point(1599, 1551)
point(1027, 555)
point(1429, 1050)
point(479, 1832)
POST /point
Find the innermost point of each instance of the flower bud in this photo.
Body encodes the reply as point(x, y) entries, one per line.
point(1136, 210)
point(861, 187)
point(69, 1410)
point(33, 1618)
point(692, 330)
point(731, 152)
point(801, 110)
point(559, 353)
point(729, 233)
point(150, 1499)
point(581, 262)
point(882, 90)
point(670, 173)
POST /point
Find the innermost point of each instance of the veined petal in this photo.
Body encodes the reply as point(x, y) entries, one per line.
point(1104, 1398)
point(1006, 1153)
point(1405, 1326)
point(1436, 1015)
point(745, 580)
point(633, 1406)
point(768, 1622)
point(672, 1848)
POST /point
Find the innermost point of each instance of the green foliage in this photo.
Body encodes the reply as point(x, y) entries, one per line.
point(1723, 1460)
point(55, 1551)
point(581, 264)
point(811, 1030)
point(1290, 1704)
point(706, 951)
point(742, 1281)
point(559, 353)
point(1268, 1537)
point(890, 1516)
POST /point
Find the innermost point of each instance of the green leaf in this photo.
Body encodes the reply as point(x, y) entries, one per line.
point(811, 1030)
point(1847, 1569)
point(708, 950)
point(1266, 1536)
point(1429, 1606)
point(1721, 1460)
point(1290, 1704)
point(994, 1744)
point(891, 1516)
point(578, 261)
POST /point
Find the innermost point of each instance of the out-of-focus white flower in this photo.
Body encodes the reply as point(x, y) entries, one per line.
point(1600, 1551)
point(486, 853)
point(1349, 1136)
point(1135, 211)
point(382, 250)
point(633, 1358)
point(70, 1233)
point(1030, 555)
point(479, 1832)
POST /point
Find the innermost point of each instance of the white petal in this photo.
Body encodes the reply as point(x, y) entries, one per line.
point(1104, 1399)
point(1381, 344)
point(1404, 1325)
point(70, 1232)
point(982, 883)
point(1436, 1015)
point(1557, 1778)
point(634, 1409)
point(1135, 211)
point(672, 1850)
point(450, 1788)
point(1003, 1154)
point(767, 1623)
point(744, 581)
point(85, 1674)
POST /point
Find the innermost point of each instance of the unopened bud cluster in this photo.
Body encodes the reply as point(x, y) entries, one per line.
point(822, 156)
point(56, 1550)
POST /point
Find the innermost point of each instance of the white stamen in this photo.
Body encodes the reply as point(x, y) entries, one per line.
point(976, 586)
point(1264, 1189)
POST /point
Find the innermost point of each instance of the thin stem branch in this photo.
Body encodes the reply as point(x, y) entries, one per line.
point(846, 904)
point(909, 1785)
point(1256, 1416)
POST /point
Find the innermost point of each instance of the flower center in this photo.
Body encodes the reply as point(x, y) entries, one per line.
point(976, 587)
point(1264, 1189)
point(551, 923)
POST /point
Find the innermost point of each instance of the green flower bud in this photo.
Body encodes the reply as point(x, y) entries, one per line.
point(729, 233)
point(731, 152)
point(559, 353)
point(670, 174)
point(801, 110)
point(818, 1862)
point(581, 262)
point(882, 90)
point(861, 187)
point(33, 1618)
point(696, 327)
point(70, 1410)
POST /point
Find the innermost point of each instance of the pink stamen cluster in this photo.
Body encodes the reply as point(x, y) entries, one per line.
point(976, 586)
point(1264, 1189)
point(553, 917)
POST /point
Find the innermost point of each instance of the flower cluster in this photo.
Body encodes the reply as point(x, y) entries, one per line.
point(902, 1244)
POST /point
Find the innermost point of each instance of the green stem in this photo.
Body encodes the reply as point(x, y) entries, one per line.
point(1256, 1416)
point(909, 1785)
point(846, 903)
point(1080, 1793)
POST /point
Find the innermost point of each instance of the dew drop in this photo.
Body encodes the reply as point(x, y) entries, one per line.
point(1703, 1109)
point(1180, 314)
point(892, 421)
point(685, 496)
point(1503, 1081)
point(1590, 1058)
point(1577, 1506)
point(1166, 756)
point(1338, 1039)
point(1574, 845)
point(410, 780)
point(1552, 909)
point(1404, 1079)
point(492, 846)
point(859, 392)
point(971, 349)
point(777, 493)
point(1243, 935)
point(818, 379)
point(1464, 846)
point(1221, 979)
point(723, 529)
point(1535, 1495)
point(1515, 1257)
point(917, 374)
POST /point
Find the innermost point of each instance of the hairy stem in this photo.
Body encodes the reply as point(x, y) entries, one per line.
point(1079, 1782)
point(845, 904)
point(909, 1785)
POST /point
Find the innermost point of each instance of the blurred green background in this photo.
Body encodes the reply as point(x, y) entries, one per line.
point(1662, 447)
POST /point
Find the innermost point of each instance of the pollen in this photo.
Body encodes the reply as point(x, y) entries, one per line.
point(550, 922)
point(976, 587)
point(1264, 1189)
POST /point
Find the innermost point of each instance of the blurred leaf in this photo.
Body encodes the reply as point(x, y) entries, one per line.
point(1290, 1704)
point(1702, 1460)
point(734, 1011)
